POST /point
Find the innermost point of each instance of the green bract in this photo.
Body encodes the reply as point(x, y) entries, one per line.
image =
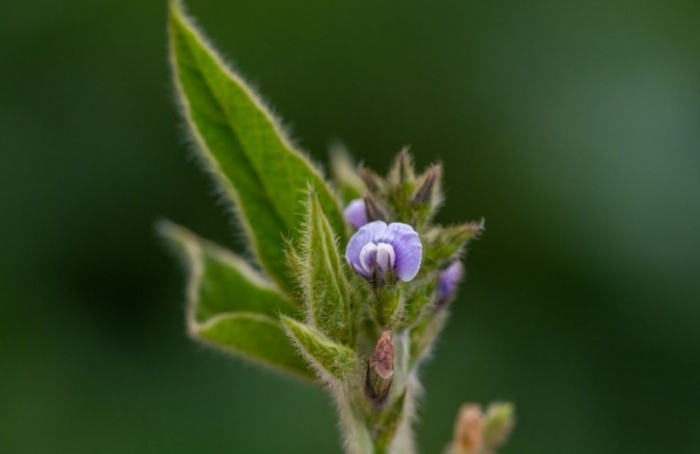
point(361, 330)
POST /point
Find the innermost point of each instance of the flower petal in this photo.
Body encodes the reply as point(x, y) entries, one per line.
point(386, 257)
point(407, 246)
point(368, 257)
point(362, 237)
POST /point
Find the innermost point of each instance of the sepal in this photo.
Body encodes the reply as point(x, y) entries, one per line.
point(444, 244)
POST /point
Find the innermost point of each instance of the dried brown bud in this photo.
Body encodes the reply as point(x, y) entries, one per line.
point(382, 360)
point(380, 369)
point(468, 430)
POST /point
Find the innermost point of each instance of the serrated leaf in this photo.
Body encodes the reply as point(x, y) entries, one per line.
point(232, 307)
point(256, 337)
point(332, 360)
point(245, 148)
point(326, 288)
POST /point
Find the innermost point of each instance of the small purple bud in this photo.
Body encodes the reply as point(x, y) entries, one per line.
point(380, 248)
point(449, 282)
point(356, 213)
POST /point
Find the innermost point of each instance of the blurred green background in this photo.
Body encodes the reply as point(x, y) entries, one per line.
point(572, 127)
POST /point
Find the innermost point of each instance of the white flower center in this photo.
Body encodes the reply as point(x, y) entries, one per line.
point(381, 255)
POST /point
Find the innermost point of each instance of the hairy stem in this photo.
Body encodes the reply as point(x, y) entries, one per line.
point(385, 428)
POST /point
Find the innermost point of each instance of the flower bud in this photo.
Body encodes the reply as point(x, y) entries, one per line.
point(468, 430)
point(498, 424)
point(428, 186)
point(373, 181)
point(380, 252)
point(374, 212)
point(402, 171)
point(448, 284)
point(380, 369)
point(355, 213)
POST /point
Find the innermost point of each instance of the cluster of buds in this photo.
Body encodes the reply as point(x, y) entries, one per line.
point(411, 266)
point(413, 269)
point(350, 298)
point(477, 432)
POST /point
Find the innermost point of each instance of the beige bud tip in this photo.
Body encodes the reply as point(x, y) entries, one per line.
point(468, 429)
point(382, 361)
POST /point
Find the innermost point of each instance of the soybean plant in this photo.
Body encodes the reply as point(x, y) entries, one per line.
point(346, 284)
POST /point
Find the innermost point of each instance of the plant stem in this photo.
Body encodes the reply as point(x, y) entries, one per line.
point(385, 429)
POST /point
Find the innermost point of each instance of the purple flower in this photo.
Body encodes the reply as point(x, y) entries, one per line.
point(356, 213)
point(380, 248)
point(449, 281)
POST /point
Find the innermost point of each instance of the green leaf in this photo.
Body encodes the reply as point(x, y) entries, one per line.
point(256, 337)
point(326, 288)
point(232, 307)
point(221, 281)
point(245, 149)
point(332, 361)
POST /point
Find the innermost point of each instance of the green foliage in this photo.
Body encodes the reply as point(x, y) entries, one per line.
point(245, 149)
point(387, 422)
point(419, 301)
point(221, 281)
point(332, 361)
point(388, 307)
point(327, 291)
point(256, 337)
point(443, 244)
point(232, 307)
point(424, 334)
point(305, 312)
